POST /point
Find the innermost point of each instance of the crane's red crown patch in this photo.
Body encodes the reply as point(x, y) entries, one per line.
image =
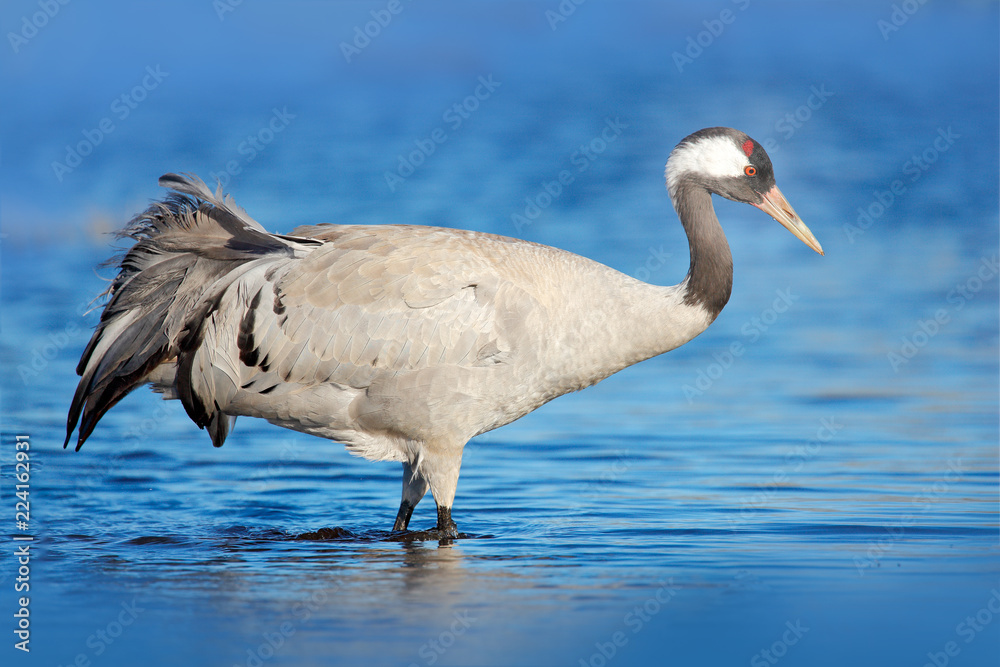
point(748, 147)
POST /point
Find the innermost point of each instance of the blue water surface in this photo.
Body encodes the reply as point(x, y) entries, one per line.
point(812, 481)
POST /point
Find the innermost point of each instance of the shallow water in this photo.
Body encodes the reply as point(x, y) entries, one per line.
point(813, 481)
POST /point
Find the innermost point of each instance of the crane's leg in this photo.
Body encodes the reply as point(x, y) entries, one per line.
point(414, 488)
point(442, 475)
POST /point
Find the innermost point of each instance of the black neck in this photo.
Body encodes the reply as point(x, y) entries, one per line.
point(710, 278)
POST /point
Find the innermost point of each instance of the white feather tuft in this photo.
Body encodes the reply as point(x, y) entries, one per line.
point(714, 157)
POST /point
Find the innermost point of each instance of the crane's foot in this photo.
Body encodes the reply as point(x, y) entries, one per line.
point(446, 526)
point(446, 531)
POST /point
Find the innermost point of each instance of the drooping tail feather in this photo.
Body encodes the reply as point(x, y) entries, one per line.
point(187, 250)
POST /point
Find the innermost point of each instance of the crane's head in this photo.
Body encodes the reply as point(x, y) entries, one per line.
point(731, 164)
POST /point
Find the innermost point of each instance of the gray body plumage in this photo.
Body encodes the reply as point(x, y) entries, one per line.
point(402, 342)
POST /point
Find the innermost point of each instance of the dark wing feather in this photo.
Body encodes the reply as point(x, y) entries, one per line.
point(187, 251)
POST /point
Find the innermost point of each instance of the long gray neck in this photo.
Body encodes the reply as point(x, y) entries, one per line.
point(709, 281)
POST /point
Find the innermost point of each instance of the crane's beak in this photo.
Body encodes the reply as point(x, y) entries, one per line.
point(776, 206)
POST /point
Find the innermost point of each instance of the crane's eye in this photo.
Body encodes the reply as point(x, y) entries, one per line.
point(750, 170)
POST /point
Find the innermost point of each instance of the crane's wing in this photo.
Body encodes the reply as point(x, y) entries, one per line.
point(212, 309)
point(371, 300)
point(369, 305)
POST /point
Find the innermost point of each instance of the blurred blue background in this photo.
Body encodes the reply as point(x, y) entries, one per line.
point(827, 497)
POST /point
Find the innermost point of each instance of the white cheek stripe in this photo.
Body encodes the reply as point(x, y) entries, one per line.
point(715, 157)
